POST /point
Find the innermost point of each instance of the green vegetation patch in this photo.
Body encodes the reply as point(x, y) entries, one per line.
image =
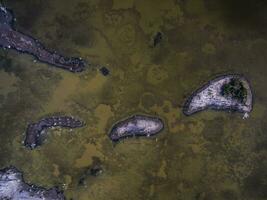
point(235, 89)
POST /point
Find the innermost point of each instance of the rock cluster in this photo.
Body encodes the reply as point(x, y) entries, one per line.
point(13, 187)
point(35, 131)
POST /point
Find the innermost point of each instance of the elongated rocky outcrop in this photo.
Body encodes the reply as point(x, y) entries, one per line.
point(13, 187)
point(36, 132)
point(137, 125)
point(227, 92)
point(12, 39)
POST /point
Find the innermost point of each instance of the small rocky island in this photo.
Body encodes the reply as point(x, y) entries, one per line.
point(137, 125)
point(228, 92)
point(36, 131)
point(13, 187)
point(12, 39)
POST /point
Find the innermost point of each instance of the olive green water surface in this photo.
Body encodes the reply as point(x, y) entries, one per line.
point(207, 156)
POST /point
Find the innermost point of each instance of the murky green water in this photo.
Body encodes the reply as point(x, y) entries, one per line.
point(211, 155)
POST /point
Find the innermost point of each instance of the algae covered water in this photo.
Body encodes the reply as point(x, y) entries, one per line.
point(157, 53)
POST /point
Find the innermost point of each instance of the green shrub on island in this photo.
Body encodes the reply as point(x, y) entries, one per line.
point(234, 89)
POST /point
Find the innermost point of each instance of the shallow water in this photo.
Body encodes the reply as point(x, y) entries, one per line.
point(210, 155)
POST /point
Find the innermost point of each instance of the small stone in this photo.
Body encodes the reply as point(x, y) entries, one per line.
point(104, 71)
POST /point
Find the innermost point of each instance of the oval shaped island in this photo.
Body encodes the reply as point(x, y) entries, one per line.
point(227, 92)
point(35, 131)
point(136, 125)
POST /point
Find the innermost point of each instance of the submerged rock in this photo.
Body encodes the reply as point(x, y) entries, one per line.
point(104, 71)
point(157, 39)
point(94, 170)
point(227, 92)
point(137, 125)
point(13, 187)
point(12, 39)
point(35, 131)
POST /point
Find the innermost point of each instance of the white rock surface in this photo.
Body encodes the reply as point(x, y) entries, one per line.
point(209, 96)
point(12, 187)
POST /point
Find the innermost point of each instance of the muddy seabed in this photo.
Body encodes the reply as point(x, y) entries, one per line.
point(210, 155)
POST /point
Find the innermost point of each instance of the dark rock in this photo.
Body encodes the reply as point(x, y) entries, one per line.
point(104, 71)
point(36, 131)
point(12, 39)
point(96, 170)
point(157, 39)
point(93, 170)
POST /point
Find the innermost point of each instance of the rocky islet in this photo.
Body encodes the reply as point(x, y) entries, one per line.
point(227, 92)
point(35, 131)
point(136, 125)
point(13, 39)
point(13, 187)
